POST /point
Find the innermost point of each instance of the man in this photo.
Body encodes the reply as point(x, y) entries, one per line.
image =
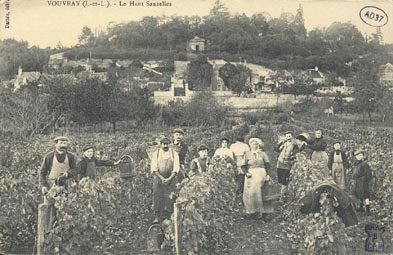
point(287, 147)
point(238, 149)
point(182, 149)
point(57, 165)
point(165, 165)
point(201, 164)
point(87, 165)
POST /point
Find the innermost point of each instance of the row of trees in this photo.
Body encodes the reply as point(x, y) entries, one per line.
point(66, 100)
point(260, 38)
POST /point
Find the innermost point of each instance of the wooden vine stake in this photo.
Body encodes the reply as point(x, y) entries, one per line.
point(177, 226)
point(46, 215)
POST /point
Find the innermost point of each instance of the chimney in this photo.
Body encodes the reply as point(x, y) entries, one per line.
point(20, 71)
point(245, 61)
point(316, 68)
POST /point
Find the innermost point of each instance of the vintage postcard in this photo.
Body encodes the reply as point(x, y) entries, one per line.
point(196, 127)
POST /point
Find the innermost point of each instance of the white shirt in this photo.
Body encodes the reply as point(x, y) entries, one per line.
point(165, 155)
point(239, 148)
point(224, 152)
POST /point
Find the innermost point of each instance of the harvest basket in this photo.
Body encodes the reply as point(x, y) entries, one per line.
point(155, 237)
point(150, 150)
point(127, 167)
point(271, 191)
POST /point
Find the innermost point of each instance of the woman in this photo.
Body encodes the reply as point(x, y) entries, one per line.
point(318, 146)
point(225, 153)
point(362, 176)
point(255, 164)
point(338, 164)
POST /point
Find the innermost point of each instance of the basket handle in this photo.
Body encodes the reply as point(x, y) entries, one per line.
point(125, 156)
point(152, 226)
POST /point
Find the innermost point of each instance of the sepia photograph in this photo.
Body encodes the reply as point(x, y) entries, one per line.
point(196, 127)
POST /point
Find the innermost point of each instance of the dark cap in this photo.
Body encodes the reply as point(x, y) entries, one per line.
point(357, 152)
point(178, 130)
point(165, 140)
point(224, 139)
point(288, 132)
point(87, 147)
point(60, 138)
point(202, 148)
point(336, 141)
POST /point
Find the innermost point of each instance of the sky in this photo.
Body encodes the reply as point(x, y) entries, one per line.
point(40, 24)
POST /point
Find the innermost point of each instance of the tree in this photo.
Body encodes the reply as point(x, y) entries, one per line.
point(199, 73)
point(384, 103)
point(86, 37)
point(219, 10)
point(24, 112)
point(298, 23)
point(366, 86)
point(235, 77)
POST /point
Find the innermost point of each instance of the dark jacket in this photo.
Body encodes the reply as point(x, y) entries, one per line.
point(319, 144)
point(47, 163)
point(182, 150)
point(345, 209)
point(82, 165)
point(362, 176)
point(344, 157)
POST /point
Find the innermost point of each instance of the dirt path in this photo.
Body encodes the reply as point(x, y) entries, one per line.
point(255, 236)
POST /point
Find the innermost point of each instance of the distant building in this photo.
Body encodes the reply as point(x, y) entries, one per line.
point(23, 78)
point(56, 60)
point(316, 76)
point(386, 73)
point(197, 44)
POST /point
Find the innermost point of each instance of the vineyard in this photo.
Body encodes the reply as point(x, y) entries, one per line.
point(112, 215)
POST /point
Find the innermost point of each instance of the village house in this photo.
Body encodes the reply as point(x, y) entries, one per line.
point(56, 60)
point(386, 72)
point(316, 76)
point(24, 78)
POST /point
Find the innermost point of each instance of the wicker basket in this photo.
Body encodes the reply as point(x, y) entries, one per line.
point(271, 191)
point(127, 167)
point(150, 150)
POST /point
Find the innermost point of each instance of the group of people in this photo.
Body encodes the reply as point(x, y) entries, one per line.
point(337, 162)
point(249, 163)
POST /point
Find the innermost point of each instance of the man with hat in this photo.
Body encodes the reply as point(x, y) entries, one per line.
point(57, 166)
point(338, 164)
point(201, 164)
point(287, 146)
point(165, 165)
point(182, 149)
point(362, 176)
point(87, 165)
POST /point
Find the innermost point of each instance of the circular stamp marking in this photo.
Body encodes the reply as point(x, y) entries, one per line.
point(373, 16)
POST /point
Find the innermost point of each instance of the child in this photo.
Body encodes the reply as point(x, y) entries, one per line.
point(287, 147)
point(362, 176)
point(201, 164)
point(87, 165)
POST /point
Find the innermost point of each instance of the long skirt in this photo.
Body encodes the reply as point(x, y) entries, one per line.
point(320, 157)
point(252, 195)
point(161, 196)
point(338, 173)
